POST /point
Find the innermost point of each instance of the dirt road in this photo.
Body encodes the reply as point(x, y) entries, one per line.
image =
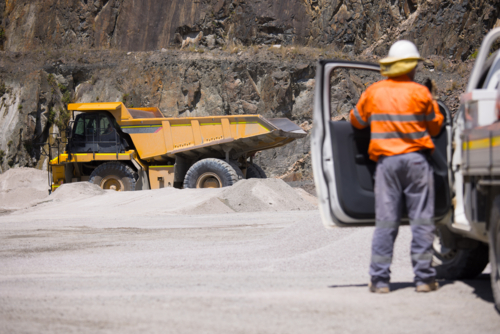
point(262, 272)
point(86, 260)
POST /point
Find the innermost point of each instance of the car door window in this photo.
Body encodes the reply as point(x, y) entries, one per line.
point(353, 168)
point(346, 87)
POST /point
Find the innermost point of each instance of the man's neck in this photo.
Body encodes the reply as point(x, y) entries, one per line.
point(403, 77)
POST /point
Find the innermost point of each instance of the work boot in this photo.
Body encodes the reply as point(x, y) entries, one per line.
point(427, 287)
point(374, 289)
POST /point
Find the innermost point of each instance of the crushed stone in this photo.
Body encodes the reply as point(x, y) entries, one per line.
point(79, 190)
point(26, 188)
point(21, 187)
point(264, 195)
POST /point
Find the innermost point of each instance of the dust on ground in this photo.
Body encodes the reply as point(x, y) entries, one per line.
point(21, 188)
point(251, 195)
point(89, 260)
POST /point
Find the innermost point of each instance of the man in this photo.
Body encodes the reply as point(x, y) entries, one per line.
point(402, 116)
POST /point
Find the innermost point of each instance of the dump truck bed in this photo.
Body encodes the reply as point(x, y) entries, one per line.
point(158, 138)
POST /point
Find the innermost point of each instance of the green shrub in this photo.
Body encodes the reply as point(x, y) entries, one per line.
point(51, 116)
point(473, 55)
point(62, 88)
point(2, 155)
point(63, 119)
point(51, 79)
point(67, 97)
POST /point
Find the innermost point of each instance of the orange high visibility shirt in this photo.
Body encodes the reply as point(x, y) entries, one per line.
point(401, 114)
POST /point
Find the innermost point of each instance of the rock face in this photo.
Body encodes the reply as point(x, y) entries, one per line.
point(237, 57)
point(449, 28)
point(35, 90)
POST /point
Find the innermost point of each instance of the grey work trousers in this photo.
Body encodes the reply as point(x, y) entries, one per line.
point(411, 176)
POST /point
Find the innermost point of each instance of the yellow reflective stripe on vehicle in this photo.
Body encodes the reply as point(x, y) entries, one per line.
point(481, 143)
point(65, 156)
point(141, 126)
point(161, 166)
point(210, 123)
point(110, 153)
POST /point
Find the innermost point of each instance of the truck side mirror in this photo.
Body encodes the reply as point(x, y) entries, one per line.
point(68, 129)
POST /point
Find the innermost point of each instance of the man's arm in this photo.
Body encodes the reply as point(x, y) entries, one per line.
point(433, 117)
point(358, 118)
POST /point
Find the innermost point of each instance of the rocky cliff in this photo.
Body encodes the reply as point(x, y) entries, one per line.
point(449, 28)
point(249, 57)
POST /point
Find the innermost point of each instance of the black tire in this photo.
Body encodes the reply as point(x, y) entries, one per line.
point(235, 166)
point(211, 173)
point(255, 172)
point(494, 236)
point(114, 175)
point(460, 263)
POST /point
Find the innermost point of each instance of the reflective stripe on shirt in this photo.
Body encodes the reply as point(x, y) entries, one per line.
point(401, 135)
point(358, 117)
point(401, 118)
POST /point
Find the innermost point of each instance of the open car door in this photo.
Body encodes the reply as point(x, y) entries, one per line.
point(343, 173)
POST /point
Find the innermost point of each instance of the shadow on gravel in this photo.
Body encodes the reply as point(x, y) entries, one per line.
point(482, 287)
point(348, 286)
point(480, 284)
point(393, 285)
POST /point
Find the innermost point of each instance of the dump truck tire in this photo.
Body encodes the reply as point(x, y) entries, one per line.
point(234, 164)
point(114, 176)
point(255, 172)
point(494, 235)
point(459, 263)
point(210, 173)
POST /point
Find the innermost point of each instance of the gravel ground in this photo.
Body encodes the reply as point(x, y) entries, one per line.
point(232, 260)
point(261, 272)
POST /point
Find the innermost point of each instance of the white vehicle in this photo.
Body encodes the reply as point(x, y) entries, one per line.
point(466, 164)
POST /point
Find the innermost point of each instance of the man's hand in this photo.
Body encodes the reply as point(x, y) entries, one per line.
point(431, 85)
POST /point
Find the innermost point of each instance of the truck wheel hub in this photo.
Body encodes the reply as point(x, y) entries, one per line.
point(209, 180)
point(112, 183)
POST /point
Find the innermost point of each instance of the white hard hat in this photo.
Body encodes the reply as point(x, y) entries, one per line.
point(401, 50)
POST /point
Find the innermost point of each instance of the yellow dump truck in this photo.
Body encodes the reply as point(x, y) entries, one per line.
point(122, 148)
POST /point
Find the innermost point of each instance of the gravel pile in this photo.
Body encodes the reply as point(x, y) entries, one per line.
point(26, 187)
point(21, 187)
point(263, 195)
point(79, 190)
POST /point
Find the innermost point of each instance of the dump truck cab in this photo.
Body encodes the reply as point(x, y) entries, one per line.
point(97, 132)
point(120, 148)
